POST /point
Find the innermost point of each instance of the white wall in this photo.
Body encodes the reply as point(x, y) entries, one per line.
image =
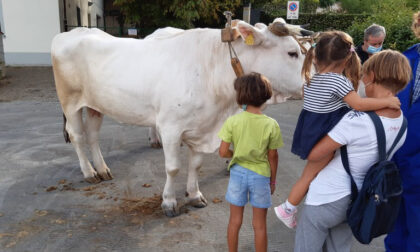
point(29, 27)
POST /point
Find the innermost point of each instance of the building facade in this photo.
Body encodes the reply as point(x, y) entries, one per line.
point(28, 26)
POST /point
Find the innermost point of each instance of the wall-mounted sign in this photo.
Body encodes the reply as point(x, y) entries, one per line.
point(132, 32)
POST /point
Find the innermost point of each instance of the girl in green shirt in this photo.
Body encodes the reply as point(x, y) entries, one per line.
point(255, 138)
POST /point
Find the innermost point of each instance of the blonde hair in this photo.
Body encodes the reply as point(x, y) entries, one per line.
point(416, 24)
point(390, 68)
point(333, 48)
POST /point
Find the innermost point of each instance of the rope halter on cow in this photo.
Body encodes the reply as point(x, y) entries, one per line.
point(278, 28)
point(229, 35)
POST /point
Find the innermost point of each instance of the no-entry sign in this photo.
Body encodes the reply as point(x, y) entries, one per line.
point(292, 9)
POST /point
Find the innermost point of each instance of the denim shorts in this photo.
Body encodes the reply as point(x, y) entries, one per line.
point(244, 183)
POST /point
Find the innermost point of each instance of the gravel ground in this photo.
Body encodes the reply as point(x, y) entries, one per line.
point(28, 84)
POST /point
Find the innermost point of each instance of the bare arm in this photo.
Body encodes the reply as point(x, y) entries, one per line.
point(324, 148)
point(224, 150)
point(369, 104)
point(273, 159)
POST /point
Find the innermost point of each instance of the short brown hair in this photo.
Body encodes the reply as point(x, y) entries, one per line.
point(252, 89)
point(391, 69)
point(333, 48)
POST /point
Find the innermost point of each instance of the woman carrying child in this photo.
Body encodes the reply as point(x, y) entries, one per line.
point(327, 96)
point(255, 138)
point(322, 223)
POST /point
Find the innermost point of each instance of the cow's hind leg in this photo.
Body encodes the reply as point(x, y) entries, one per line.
point(75, 129)
point(171, 141)
point(93, 125)
point(195, 197)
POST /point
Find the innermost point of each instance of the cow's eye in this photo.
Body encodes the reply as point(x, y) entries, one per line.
point(293, 54)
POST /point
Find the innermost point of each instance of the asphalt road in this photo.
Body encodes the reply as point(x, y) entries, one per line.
point(46, 206)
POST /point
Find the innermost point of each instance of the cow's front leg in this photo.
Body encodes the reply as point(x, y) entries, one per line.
point(195, 197)
point(154, 138)
point(171, 148)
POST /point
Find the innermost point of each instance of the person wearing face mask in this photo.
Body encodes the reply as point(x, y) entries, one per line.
point(374, 37)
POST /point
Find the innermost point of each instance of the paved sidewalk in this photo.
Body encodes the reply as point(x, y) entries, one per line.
point(46, 206)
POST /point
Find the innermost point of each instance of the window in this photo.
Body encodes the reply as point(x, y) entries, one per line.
point(79, 20)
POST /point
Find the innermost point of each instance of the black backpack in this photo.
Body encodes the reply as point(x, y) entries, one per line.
point(374, 210)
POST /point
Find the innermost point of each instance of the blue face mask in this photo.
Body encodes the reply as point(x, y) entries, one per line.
point(373, 50)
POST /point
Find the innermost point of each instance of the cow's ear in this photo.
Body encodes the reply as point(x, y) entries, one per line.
point(250, 34)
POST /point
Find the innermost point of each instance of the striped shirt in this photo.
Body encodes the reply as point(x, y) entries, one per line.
point(325, 92)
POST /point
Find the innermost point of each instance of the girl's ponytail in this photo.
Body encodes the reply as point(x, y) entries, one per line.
point(307, 64)
point(352, 69)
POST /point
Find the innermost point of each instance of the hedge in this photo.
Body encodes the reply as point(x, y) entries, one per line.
point(394, 15)
point(321, 22)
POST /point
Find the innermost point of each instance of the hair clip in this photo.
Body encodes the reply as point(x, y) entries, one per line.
point(352, 49)
point(313, 45)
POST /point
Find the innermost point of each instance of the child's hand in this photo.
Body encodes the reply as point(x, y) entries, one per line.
point(273, 188)
point(394, 102)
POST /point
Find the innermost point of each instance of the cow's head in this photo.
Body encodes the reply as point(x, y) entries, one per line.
point(273, 52)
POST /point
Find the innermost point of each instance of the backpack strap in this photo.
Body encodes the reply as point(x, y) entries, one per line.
point(380, 134)
point(397, 139)
point(345, 160)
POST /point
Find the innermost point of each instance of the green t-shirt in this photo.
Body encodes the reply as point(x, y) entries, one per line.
point(252, 135)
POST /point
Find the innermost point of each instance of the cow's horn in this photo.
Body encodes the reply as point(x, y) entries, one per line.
point(304, 26)
point(305, 32)
point(279, 29)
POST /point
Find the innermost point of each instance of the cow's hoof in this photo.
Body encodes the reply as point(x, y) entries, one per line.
point(199, 202)
point(93, 180)
point(105, 175)
point(156, 145)
point(170, 209)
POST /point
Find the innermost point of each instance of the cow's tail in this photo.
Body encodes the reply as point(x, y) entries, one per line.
point(65, 133)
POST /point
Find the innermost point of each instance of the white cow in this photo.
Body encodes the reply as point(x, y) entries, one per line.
point(182, 83)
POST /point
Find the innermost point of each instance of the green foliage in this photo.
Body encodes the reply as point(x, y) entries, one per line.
point(367, 6)
point(358, 6)
point(396, 17)
point(320, 22)
point(257, 3)
point(326, 3)
point(413, 4)
point(151, 14)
